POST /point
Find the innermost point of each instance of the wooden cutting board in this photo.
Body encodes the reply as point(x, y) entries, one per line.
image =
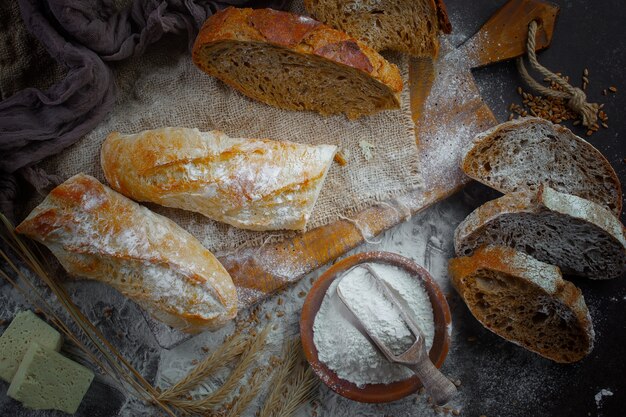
point(447, 110)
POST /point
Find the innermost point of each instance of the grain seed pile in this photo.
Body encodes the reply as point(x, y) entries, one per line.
point(556, 110)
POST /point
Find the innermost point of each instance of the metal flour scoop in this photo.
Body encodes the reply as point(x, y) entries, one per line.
point(415, 357)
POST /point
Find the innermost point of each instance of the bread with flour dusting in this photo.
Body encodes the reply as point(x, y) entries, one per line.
point(99, 234)
point(525, 301)
point(256, 184)
point(525, 153)
point(296, 63)
point(578, 235)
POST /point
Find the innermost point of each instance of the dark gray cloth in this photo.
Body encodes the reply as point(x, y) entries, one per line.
point(83, 35)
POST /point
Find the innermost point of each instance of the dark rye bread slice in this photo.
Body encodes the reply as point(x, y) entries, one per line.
point(527, 152)
point(525, 301)
point(296, 63)
point(578, 235)
point(410, 26)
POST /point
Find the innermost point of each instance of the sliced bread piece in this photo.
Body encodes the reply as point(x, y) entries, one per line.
point(525, 301)
point(527, 152)
point(296, 63)
point(578, 235)
point(410, 26)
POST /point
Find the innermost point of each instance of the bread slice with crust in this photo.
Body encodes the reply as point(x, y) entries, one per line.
point(578, 235)
point(525, 301)
point(410, 26)
point(527, 152)
point(296, 63)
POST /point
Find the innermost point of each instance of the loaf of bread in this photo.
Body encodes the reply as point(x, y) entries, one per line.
point(578, 235)
point(525, 301)
point(256, 184)
point(525, 153)
point(99, 234)
point(410, 26)
point(296, 63)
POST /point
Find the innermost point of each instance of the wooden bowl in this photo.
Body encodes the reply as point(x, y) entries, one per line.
point(374, 393)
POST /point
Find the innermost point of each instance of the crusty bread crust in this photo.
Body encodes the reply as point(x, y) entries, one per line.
point(442, 15)
point(527, 152)
point(525, 301)
point(255, 184)
point(578, 235)
point(407, 26)
point(307, 38)
point(99, 234)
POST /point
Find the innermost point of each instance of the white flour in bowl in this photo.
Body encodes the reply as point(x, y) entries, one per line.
point(345, 350)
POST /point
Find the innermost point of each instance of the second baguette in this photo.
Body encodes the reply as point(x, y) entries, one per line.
point(99, 234)
point(255, 184)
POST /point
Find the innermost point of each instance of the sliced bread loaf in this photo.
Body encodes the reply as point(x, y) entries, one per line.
point(525, 301)
point(410, 26)
point(578, 235)
point(527, 152)
point(296, 63)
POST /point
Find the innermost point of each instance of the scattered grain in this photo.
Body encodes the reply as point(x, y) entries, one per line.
point(553, 109)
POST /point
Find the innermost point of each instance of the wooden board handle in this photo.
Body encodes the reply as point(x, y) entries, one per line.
point(504, 35)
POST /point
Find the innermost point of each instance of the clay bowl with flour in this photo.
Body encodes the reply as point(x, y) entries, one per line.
point(374, 393)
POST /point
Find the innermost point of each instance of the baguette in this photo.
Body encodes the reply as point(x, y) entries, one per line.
point(527, 152)
point(578, 235)
point(99, 234)
point(410, 26)
point(296, 63)
point(525, 301)
point(255, 184)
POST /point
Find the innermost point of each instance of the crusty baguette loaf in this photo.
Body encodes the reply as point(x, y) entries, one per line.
point(99, 234)
point(527, 152)
point(525, 301)
point(256, 184)
point(410, 26)
point(296, 63)
point(578, 235)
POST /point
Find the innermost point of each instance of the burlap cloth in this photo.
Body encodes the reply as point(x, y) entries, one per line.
point(164, 88)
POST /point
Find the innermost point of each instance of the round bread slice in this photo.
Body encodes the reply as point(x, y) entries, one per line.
point(410, 26)
point(578, 235)
point(527, 152)
point(525, 301)
point(296, 63)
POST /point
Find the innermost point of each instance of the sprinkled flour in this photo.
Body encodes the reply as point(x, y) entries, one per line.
point(600, 395)
point(345, 350)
